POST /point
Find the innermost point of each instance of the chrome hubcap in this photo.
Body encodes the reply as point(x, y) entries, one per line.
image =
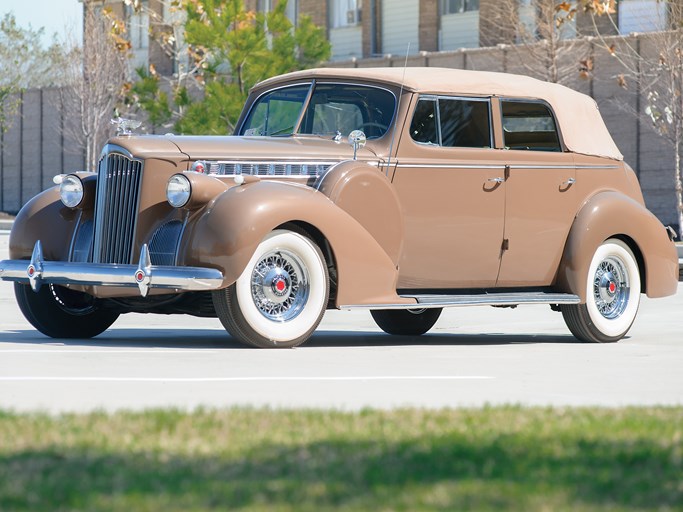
point(280, 286)
point(611, 287)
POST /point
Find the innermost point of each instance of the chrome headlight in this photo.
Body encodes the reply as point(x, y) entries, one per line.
point(178, 190)
point(71, 191)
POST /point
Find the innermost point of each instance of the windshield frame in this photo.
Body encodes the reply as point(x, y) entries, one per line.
point(305, 105)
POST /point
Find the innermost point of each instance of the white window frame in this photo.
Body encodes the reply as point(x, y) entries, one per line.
point(344, 13)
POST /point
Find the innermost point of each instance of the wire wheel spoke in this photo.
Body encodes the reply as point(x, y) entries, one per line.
point(279, 285)
point(611, 287)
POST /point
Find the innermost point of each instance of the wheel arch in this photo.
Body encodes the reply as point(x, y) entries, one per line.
point(614, 215)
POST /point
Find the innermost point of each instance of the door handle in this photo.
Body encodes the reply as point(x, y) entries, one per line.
point(496, 180)
point(569, 182)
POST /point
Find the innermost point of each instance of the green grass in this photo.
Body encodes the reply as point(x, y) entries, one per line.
point(502, 458)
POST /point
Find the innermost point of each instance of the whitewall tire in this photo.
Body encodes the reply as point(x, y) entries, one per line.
point(613, 290)
point(281, 296)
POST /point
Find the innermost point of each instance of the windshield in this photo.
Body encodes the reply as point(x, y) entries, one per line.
point(332, 108)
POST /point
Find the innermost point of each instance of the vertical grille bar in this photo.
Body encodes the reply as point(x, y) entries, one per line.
point(118, 190)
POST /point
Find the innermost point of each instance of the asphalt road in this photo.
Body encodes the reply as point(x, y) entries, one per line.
point(472, 357)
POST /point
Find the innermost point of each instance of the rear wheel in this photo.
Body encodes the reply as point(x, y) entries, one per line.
point(62, 313)
point(612, 296)
point(406, 322)
point(281, 296)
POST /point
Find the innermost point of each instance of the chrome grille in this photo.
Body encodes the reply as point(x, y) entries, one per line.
point(118, 191)
point(293, 169)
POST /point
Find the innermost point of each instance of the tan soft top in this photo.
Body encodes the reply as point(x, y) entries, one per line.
point(581, 124)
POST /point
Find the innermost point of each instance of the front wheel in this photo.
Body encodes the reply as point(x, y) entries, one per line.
point(62, 313)
point(281, 296)
point(406, 322)
point(612, 296)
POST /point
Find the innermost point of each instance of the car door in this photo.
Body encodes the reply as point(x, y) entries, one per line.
point(541, 200)
point(452, 193)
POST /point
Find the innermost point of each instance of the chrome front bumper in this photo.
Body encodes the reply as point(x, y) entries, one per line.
point(144, 276)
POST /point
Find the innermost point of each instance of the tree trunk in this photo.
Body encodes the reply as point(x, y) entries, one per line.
point(678, 186)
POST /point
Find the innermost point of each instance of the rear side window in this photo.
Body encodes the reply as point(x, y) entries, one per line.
point(452, 122)
point(529, 126)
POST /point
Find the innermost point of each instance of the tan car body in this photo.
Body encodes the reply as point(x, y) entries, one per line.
point(403, 217)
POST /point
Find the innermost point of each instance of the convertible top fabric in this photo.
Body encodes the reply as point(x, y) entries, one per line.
point(581, 125)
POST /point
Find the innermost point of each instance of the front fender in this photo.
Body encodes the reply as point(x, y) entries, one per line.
point(226, 232)
point(614, 215)
point(367, 195)
point(43, 218)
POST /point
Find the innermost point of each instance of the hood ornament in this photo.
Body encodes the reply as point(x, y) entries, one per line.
point(125, 127)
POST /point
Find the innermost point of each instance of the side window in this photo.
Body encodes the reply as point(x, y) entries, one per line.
point(423, 128)
point(452, 122)
point(464, 124)
point(529, 126)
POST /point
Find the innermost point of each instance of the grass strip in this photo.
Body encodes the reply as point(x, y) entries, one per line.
point(495, 458)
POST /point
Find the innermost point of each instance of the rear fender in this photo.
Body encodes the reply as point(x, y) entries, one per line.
point(615, 215)
point(226, 232)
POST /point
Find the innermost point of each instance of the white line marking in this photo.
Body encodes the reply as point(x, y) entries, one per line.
point(114, 351)
point(240, 379)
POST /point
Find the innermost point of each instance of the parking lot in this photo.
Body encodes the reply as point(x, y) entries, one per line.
point(472, 357)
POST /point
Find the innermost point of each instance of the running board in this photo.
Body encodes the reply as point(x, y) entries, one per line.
point(484, 299)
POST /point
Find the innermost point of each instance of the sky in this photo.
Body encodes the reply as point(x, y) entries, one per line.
point(61, 16)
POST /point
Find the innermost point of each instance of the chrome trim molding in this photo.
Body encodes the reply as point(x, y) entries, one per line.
point(143, 275)
point(280, 168)
point(451, 166)
point(500, 166)
point(489, 299)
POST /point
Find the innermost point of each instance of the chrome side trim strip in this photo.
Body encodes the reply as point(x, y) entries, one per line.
point(489, 299)
point(451, 166)
point(501, 166)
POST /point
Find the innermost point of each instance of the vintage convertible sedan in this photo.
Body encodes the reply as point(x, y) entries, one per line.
point(397, 191)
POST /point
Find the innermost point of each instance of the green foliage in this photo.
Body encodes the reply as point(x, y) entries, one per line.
point(24, 63)
point(495, 458)
point(216, 111)
point(233, 49)
point(151, 98)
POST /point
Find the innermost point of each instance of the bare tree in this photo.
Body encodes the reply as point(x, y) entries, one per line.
point(167, 20)
point(655, 62)
point(542, 33)
point(96, 75)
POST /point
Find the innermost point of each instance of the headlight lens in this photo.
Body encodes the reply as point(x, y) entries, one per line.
point(178, 190)
point(71, 191)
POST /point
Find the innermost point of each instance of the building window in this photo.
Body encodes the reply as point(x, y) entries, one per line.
point(642, 16)
point(345, 13)
point(291, 11)
point(458, 6)
point(139, 28)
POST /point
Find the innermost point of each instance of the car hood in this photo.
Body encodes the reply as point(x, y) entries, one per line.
point(242, 148)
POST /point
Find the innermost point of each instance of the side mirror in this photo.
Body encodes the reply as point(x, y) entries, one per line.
point(357, 139)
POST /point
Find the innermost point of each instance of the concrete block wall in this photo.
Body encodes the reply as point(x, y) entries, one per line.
point(34, 149)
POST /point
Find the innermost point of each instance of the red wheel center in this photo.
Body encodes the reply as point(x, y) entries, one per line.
point(280, 286)
point(612, 287)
